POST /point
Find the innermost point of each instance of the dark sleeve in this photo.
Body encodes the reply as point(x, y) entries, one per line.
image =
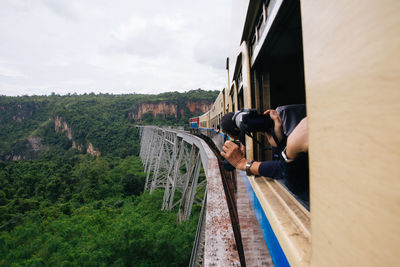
point(271, 169)
point(291, 115)
point(296, 173)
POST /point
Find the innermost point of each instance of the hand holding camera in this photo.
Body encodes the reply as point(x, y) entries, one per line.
point(248, 121)
point(234, 153)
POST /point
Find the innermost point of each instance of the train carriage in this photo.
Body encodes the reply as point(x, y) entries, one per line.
point(194, 124)
point(340, 59)
point(204, 120)
point(217, 110)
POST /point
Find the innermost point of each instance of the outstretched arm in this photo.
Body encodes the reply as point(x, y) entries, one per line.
point(297, 141)
point(236, 157)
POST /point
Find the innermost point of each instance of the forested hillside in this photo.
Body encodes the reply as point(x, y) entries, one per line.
point(71, 183)
point(95, 124)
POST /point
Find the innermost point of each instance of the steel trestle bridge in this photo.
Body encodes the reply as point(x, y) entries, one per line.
point(187, 170)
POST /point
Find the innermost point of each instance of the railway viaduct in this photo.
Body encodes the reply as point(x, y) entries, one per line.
point(186, 168)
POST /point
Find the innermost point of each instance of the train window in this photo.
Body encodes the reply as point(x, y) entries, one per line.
point(277, 68)
point(240, 99)
point(281, 57)
point(240, 79)
point(260, 24)
point(253, 43)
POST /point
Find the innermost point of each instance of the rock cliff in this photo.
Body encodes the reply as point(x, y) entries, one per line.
point(161, 108)
point(198, 106)
point(62, 126)
point(168, 109)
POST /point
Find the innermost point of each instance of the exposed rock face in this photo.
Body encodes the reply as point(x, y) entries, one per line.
point(19, 112)
point(92, 151)
point(196, 106)
point(77, 146)
point(60, 126)
point(27, 149)
point(35, 143)
point(163, 108)
point(169, 109)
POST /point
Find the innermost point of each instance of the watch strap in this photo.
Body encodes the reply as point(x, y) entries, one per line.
point(248, 165)
point(284, 156)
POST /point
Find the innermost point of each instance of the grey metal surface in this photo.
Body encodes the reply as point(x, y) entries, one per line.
point(197, 257)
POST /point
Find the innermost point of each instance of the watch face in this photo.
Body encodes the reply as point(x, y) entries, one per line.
point(287, 160)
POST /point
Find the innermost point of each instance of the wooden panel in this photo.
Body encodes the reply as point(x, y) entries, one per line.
point(351, 54)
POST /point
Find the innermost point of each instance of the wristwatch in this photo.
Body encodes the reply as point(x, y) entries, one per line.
point(248, 165)
point(287, 160)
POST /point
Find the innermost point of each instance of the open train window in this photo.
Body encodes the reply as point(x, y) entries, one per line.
point(276, 62)
point(240, 99)
point(232, 98)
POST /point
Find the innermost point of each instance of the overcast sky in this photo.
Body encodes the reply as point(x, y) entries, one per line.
point(118, 46)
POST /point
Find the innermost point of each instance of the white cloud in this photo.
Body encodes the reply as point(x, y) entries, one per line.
point(66, 9)
point(112, 46)
point(11, 72)
point(132, 28)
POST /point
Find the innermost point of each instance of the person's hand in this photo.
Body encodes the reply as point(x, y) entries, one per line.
point(277, 127)
point(297, 141)
point(234, 155)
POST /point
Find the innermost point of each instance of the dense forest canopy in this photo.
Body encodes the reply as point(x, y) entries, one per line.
point(71, 183)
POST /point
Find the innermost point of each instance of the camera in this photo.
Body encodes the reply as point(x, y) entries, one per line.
point(245, 121)
point(250, 121)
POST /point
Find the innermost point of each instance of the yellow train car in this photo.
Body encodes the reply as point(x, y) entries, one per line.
point(217, 110)
point(340, 59)
point(204, 120)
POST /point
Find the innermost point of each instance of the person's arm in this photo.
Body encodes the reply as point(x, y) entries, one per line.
point(277, 127)
point(297, 141)
point(253, 168)
point(235, 156)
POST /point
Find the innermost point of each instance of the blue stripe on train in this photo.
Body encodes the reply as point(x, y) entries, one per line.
point(277, 254)
point(212, 130)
